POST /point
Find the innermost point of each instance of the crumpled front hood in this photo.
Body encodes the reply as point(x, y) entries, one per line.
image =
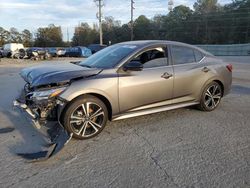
point(56, 73)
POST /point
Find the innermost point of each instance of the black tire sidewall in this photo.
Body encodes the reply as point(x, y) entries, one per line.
point(76, 103)
point(202, 105)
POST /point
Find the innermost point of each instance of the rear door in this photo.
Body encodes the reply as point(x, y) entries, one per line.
point(150, 87)
point(189, 73)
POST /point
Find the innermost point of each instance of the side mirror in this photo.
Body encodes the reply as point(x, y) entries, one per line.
point(133, 66)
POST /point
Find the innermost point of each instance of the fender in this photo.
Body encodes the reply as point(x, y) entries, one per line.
point(106, 86)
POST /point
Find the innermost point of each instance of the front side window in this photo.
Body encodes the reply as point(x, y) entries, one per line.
point(155, 57)
point(182, 55)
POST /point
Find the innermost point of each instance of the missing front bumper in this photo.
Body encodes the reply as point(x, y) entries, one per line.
point(59, 137)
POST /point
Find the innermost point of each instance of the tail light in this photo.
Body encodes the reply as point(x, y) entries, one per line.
point(230, 67)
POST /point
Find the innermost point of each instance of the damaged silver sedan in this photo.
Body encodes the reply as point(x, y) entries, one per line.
point(121, 81)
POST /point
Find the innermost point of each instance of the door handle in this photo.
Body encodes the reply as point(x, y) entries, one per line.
point(166, 75)
point(205, 69)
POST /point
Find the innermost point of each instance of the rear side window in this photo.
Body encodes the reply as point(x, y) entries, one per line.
point(182, 55)
point(198, 55)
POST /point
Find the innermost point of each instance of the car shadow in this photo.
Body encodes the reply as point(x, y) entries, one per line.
point(29, 139)
point(239, 89)
point(26, 138)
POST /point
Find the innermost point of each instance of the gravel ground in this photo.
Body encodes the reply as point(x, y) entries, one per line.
point(178, 148)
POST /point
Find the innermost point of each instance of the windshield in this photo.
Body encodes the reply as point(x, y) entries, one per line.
point(108, 57)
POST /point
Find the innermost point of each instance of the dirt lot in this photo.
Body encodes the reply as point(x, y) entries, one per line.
point(179, 148)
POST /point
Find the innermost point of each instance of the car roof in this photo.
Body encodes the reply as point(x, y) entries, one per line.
point(148, 42)
point(94, 45)
point(142, 43)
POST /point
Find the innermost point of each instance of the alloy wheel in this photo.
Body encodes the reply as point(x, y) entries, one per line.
point(87, 119)
point(213, 96)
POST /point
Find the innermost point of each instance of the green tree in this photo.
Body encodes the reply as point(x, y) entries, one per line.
point(159, 28)
point(237, 21)
point(15, 36)
point(206, 19)
point(84, 35)
point(111, 30)
point(142, 28)
point(27, 38)
point(50, 36)
point(206, 6)
point(4, 36)
point(177, 24)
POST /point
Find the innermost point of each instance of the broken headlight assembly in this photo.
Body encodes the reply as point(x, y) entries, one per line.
point(46, 94)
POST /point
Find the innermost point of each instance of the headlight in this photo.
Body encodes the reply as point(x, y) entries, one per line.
point(46, 94)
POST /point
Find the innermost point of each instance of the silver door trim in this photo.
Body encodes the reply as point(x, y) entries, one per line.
point(152, 110)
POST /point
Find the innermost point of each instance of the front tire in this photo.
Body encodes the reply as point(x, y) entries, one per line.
point(211, 97)
point(85, 117)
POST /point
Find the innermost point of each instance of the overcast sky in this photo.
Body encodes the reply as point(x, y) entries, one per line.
point(31, 14)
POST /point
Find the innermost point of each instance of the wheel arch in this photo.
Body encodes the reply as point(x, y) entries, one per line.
point(214, 79)
point(105, 101)
point(103, 98)
point(221, 84)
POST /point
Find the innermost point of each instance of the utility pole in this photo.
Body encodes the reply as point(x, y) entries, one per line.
point(99, 16)
point(67, 36)
point(132, 21)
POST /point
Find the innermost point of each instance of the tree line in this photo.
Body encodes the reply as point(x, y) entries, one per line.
point(207, 23)
point(50, 36)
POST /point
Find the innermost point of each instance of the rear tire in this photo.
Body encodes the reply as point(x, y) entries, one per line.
point(85, 117)
point(211, 97)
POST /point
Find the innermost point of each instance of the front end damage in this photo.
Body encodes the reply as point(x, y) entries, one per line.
point(43, 107)
point(40, 100)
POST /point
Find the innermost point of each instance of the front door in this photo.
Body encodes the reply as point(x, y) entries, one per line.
point(150, 87)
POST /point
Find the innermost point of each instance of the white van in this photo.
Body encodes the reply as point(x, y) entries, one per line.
point(9, 48)
point(13, 46)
